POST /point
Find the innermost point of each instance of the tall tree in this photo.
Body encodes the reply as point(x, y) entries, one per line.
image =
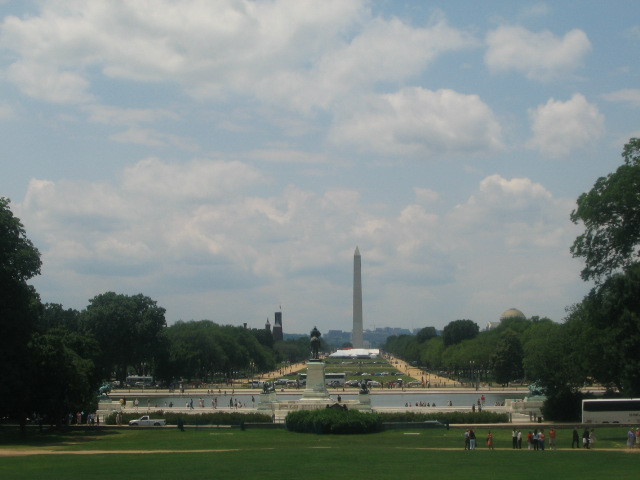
point(507, 358)
point(128, 329)
point(425, 334)
point(459, 330)
point(64, 380)
point(19, 304)
point(610, 212)
point(609, 318)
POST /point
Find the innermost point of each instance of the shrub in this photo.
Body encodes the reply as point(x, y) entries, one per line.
point(217, 418)
point(333, 421)
point(447, 417)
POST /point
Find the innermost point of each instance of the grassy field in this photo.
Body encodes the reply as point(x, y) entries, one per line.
point(277, 454)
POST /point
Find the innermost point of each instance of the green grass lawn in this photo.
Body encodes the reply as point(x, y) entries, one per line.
point(278, 454)
point(370, 366)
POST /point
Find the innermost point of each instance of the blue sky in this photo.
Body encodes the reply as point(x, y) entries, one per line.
point(226, 158)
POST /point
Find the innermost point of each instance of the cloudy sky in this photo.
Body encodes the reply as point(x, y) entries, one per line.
point(226, 157)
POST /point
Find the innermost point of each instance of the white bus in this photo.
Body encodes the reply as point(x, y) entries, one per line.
point(611, 410)
point(330, 379)
point(139, 381)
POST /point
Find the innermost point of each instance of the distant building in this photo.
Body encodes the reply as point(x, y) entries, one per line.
point(267, 326)
point(277, 327)
point(511, 313)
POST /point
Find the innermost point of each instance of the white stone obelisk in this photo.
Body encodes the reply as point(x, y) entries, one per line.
point(356, 335)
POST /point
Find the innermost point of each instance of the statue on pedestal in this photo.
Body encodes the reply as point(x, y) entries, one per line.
point(364, 388)
point(315, 343)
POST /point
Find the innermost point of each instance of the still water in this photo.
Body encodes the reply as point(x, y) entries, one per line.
point(223, 400)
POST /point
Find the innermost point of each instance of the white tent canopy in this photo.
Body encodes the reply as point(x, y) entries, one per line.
point(356, 353)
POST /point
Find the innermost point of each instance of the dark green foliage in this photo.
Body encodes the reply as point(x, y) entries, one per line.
point(216, 418)
point(294, 350)
point(19, 259)
point(463, 418)
point(128, 330)
point(609, 318)
point(19, 305)
point(427, 333)
point(507, 359)
point(333, 421)
point(206, 351)
point(459, 330)
point(63, 381)
point(563, 406)
point(610, 212)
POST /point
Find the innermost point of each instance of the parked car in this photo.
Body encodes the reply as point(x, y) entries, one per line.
point(145, 421)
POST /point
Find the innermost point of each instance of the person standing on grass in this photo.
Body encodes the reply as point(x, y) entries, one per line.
point(631, 438)
point(466, 439)
point(541, 438)
point(519, 440)
point(514, 438)
point(552, 438)
point(472, 440)
point(585, 438)
point(530, 440)
point(535, 439)
point(575, 439)
point(490, 440)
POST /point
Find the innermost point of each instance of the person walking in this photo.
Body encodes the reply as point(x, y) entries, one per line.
point(490, 440)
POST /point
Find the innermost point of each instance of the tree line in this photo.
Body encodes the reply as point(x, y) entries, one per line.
point(599, 340)
point(54, 359)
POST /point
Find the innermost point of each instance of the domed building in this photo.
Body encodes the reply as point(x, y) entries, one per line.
point(511, 313)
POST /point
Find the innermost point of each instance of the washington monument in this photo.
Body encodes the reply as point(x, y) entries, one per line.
point(356, 335)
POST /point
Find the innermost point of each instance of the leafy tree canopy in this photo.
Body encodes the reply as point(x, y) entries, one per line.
point(610, 212)
point(19, 259)
point(459, 330)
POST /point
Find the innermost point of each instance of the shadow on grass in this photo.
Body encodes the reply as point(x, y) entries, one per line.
point(10, 435)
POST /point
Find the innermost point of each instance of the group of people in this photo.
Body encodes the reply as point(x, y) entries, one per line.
point(588, 438)
point(633, 438)
point(537, 439)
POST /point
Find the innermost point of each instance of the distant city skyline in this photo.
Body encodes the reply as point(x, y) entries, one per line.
point(224, 158)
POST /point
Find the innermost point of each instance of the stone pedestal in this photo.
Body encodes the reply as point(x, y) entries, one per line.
point(364, 401)
point(267, 402)
point(315, 388)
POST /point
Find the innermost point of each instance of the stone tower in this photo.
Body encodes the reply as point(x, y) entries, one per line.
point(356, 334)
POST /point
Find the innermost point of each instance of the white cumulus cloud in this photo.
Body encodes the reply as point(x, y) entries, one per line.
point(420, 122)
point(561, 127)
point(539, 56)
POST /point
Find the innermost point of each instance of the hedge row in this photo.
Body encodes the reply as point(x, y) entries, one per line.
point(447, 417)
point(217, 418)
point(333, 421)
